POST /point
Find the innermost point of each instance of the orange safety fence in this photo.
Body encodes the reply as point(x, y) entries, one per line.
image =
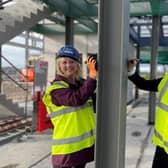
point(28, 75)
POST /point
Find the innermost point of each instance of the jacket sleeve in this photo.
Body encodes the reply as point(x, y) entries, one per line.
point(74, 96)
point(141, 83)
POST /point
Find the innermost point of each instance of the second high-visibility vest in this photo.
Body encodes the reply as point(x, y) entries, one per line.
point(160, 137)
point(74, 127)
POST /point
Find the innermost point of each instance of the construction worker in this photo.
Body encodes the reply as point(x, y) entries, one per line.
point(69, 104)
point(160, 136)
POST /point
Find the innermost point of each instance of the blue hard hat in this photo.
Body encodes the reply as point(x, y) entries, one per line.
point(69, 51)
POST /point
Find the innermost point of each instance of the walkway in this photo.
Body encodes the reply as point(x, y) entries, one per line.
point(33, 151)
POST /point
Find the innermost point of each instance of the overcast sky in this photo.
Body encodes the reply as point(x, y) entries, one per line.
point(16, 55)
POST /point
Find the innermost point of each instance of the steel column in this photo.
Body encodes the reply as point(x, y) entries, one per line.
point(69, 32)
point(27, 64)
point(137, 70)
point(0, 70)
point(153, 66)
point(112, 83)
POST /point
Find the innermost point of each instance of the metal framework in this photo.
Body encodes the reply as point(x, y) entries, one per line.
point(85, 16)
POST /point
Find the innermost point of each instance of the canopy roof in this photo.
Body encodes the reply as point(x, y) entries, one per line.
point(85, 15)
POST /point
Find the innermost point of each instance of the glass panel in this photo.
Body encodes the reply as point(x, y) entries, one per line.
point(19, 40)
point(39, 44)
point(165, 30)
point(34, 52)
point(36, 35)
point(145, 31)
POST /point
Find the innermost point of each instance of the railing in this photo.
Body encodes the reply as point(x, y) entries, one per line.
point(4, 3)
point(14, 79)
point(13, 87)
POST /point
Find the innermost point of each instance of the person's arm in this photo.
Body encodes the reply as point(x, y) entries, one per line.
point(141, 83)
point(74, 96)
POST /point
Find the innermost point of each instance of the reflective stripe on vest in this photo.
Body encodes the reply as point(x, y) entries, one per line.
point(60, 83)
point(163, 90)
point(73, 140)
point(160, 137)
point(54, 114)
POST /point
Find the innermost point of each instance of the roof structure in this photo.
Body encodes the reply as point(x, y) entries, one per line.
point(85, 15)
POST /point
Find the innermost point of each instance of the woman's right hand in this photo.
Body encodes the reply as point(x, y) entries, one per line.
point(91, 63)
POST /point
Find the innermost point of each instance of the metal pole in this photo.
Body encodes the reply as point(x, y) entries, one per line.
point(27, 56)
point(69, 30)
point(112, 83)
point(0, 70)
point(137, 70)
point(153, 64)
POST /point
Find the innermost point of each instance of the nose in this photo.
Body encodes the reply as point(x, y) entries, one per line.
point(69, 64)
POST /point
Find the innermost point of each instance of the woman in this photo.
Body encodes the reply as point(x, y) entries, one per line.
point(69, 104)
point(160, 136)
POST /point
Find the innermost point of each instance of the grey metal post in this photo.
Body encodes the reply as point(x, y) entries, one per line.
point(153, 64)
point(0, 70)
point(69, 30)
point(27, 56)
point(112, 83)
point(137, 70)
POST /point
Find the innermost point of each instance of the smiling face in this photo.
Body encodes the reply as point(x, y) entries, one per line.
point(68, 67)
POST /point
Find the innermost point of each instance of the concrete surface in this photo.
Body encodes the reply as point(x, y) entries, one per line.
point(33, 150)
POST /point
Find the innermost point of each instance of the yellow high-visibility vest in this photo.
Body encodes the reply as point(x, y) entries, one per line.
point(160, 136)
point(74, 127)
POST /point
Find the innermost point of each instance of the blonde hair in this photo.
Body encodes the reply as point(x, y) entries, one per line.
point(78, 75)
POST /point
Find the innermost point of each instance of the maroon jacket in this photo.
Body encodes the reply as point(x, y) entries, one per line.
point(75, 95)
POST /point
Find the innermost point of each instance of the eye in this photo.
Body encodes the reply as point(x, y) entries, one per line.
point(64, 62)
point(71, 62)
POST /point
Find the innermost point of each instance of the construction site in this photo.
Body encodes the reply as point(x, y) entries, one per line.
point(32, 31)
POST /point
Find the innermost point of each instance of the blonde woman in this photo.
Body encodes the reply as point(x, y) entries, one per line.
point(69, 103)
